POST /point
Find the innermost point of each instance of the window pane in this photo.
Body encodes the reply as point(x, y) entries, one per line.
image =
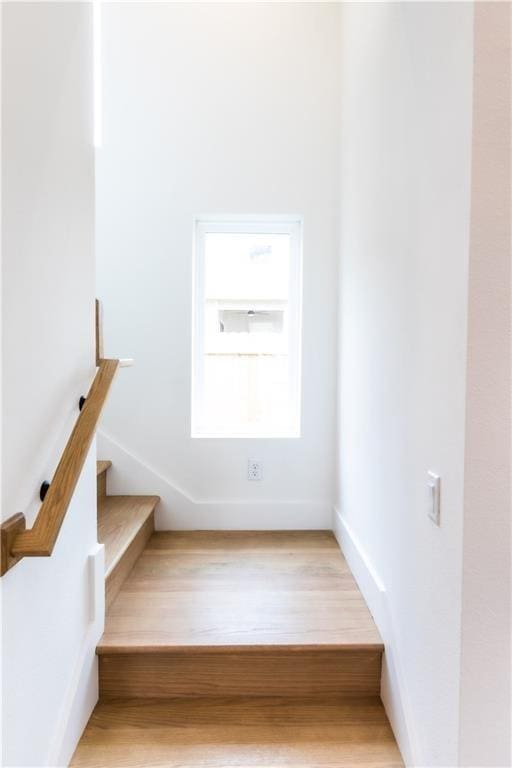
point(248, 358)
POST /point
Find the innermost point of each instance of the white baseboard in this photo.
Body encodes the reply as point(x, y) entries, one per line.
point(82, 693)
point(393, 683)
point(178, 510)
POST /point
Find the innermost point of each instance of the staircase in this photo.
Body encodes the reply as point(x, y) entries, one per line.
point(125, 525)
point(231, 649)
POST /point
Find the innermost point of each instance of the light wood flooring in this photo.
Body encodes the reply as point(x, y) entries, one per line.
point(215, 733)
point(231, 649)
point(257, 589)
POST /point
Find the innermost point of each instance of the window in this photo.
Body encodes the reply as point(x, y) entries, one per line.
point(247, 329)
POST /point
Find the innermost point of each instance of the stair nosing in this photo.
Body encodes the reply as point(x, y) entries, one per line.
point(105, 465)
point(105, 650)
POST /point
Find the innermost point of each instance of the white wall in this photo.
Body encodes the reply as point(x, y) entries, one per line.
point(405, 175)
point(214, 109)
point(486, 705)
point(48, 636)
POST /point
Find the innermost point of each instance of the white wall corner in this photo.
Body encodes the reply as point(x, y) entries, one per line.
point(82, 693)
point(178, 510)
point(394, 692)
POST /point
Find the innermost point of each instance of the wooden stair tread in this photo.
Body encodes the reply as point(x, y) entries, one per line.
point(245, 591)
point(102, 466)
point(238, 732)
point(120, 518)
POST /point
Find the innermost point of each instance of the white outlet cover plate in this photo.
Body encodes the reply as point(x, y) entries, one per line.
point(254, 470)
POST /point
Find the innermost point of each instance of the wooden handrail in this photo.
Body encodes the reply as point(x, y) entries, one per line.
point(15, 540)
point(39, 540)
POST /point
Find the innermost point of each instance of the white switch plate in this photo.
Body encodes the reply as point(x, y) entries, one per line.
point(434, 503)
point(254, 470)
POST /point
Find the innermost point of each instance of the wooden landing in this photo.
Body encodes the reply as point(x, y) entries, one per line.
point(261, 590)
point(218, 733)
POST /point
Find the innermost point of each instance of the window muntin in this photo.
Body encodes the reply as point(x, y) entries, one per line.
point(247, 329)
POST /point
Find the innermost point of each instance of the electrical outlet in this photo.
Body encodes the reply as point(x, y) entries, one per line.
point(254, 470)
point(434, 504)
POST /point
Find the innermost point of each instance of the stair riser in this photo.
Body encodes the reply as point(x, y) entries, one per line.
point(268, 673)
point(118, 576)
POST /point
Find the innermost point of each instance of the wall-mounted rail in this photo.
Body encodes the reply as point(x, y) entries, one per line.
point(16, 541)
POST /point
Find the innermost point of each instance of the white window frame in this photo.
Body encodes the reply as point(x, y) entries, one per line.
point(288, 225)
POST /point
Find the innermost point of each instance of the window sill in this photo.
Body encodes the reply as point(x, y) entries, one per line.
point(291, 435)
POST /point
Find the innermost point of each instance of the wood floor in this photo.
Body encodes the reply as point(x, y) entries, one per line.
point(262, 589)
point(232, 649)
point(215, 733)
